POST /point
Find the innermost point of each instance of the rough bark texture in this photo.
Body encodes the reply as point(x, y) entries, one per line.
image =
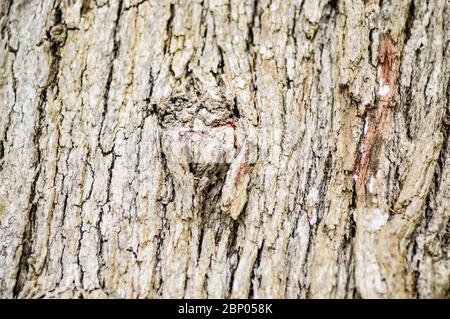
point(224, 148)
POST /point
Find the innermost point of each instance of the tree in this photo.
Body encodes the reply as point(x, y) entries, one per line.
point(224, 148)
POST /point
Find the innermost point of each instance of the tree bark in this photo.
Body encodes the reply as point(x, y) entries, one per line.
point(224, 148)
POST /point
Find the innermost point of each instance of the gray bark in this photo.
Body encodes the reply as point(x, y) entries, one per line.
point(224, 148)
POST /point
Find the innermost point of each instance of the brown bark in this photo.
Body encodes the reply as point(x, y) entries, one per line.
point(224, 148)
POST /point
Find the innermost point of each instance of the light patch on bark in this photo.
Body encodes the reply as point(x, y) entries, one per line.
point(374, 219)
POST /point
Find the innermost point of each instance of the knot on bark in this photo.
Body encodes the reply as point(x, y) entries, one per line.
point(206, 147)
point(199, 137)
point(186, 108)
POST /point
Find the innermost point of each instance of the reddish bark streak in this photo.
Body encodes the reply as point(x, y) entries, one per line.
point(242, 171)
point(386, 58)
point(386, 77)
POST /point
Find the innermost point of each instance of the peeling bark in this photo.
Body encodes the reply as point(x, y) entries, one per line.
point(224, 149)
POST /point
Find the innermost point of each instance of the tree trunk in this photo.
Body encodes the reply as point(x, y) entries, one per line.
point(224, 148)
